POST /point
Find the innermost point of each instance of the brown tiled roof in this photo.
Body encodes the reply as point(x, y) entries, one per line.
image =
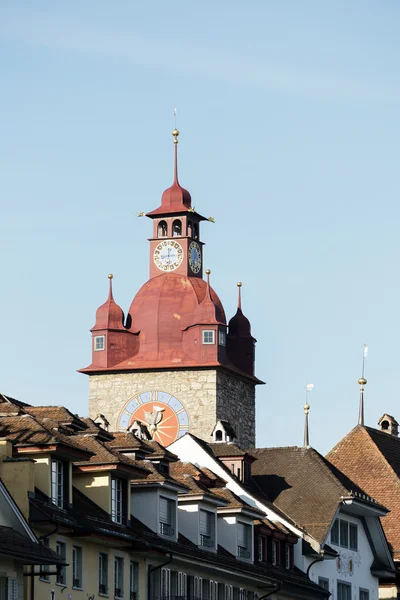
point(26, 430)
point(234, 501)
point(124, 441)
point(9, 409)
point(302, 484)
point(157, 476)
point(24, 550)
point(158, 450)
point(58, 414)
point(222, 450)
point(4, 398)
point(372, 459)
point(103, 454)
point(96, 429)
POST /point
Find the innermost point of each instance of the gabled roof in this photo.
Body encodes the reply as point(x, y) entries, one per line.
point(304, 485)
point(372, 459)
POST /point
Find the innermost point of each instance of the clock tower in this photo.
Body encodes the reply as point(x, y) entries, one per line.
point(174, 364)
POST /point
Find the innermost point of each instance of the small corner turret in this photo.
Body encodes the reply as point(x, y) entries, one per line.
point(240, 344)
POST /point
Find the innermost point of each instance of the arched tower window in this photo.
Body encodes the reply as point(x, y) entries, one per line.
point(195, 231)
point(218, 436)
point(385, 425)
point(189, 228)
point(176, 228)
point(162, 229)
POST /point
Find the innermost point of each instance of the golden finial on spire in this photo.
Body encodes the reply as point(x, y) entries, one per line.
point(362, 382)
point(175, 133)
point(110, 276)
point(208, 272)
point(239, 284)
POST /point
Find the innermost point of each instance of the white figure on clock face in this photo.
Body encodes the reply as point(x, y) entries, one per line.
point(168, 255)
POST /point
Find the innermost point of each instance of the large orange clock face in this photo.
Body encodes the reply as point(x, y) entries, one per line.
point(164, 416)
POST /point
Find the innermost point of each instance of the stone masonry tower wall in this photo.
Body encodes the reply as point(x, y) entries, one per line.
point(206, 394)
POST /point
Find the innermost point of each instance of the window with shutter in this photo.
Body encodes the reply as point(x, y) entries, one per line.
point(182, 585)
point(61, 550)
point(165, 584)
point(57, 483)
point(133, 580)
point(207, 526)
point(243, 538)
point(118, 577)
point(228, 592)
point(116, 500)
point(103, 574)
point(12, 589)
point(213, 590)
point(167, 507)
point(198, 588)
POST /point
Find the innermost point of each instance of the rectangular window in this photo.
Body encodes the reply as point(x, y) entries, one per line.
point(364, 594)
point(99, 342)
point(213, 590)
point(77, 567)
point(353, 535)
point(324, 583)
point(344, 534)
point(167, 508)
point(344, 591)
point(261, 548)
point(335, 532)
point(288, 556)
point(207, 527)
point(228, 592)
point(116, 500)
point(242, 594)
point(103, 574)
point(44, 569)
point(133, 580)
point(182, 585)
point(198, 588)
point(118, 577)
point(165, 584)
point(244, 540)
point(208, 336)
point(61, 576)
point(221, 338)
point(57, 483)
point(12, 588)
point(275, 552)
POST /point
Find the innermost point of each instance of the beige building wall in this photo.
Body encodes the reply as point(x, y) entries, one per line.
point(206, 394)
point(97, 487)
point(90, 570)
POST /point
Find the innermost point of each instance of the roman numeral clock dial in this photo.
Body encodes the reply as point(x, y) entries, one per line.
point(162, 414)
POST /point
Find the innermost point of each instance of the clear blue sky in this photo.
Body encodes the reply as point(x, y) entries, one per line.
point(289, 120)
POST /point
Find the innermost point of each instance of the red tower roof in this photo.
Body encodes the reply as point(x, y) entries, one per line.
point(239, 325)
point(175, 199)
point(207, 312)
point(109, 315)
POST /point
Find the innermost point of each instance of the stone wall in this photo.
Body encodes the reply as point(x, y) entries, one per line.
point(205, 393)
point(236, 400)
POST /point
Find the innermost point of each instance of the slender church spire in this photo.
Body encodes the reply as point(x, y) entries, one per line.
point(362, 382)
point(306, 444)
point(239, 285)
point(175, 133)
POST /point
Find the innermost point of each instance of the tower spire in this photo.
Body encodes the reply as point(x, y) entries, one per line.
point(175, 133)
point(306, 444)
point(239, 285)
point(110, 291)
point(362, 382)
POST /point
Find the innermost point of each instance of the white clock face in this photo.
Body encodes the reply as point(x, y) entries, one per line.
point(195, 257)
point(168, 255)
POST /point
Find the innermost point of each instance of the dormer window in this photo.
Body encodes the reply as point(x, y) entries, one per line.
point(57, 482)
point(116, 500)
point(99, 342)
point(167, 516)
point(222, 338)
point(207, 528)
point(208, 336)
point(243, 540)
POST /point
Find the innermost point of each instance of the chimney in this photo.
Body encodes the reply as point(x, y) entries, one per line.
point(389, 425)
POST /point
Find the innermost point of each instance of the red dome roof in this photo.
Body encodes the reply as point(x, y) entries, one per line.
point(163, 307)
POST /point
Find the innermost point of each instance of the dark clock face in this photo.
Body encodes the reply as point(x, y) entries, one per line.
point(195, 257)
point(164, 416)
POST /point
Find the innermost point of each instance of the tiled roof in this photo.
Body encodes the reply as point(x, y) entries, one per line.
point(123, 440)
point(102, 454)
point(24, 550)
point(302, 484)
point(223, 449)
point(157, 476)
point(58, 414)
point(372, 459)
point(26, 430)
point(4, 398)
point(234, 501)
